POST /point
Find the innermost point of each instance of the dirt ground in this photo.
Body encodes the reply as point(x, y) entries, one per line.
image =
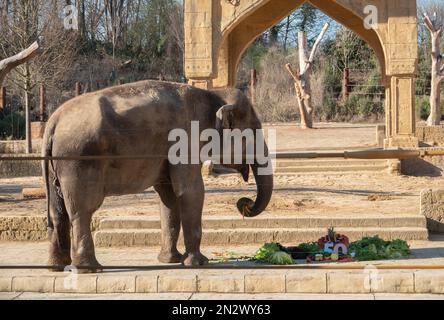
point(325, 136)
point(305, 194)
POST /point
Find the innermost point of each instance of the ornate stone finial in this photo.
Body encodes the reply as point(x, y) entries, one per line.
point(233, 2)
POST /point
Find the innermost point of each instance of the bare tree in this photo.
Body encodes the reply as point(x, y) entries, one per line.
point(347, 44)
point(26, 55)
point(302, 76)
point(30, 20)
point(437, 69)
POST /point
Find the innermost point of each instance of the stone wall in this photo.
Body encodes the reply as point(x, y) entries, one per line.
point(19, 146)
point(432, 207)
point(431, 136)
point(29, 228)
point(16, 169)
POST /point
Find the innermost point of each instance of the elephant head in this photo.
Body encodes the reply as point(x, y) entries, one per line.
point(238, 113)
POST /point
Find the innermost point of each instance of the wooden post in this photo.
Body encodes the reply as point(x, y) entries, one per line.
point(345, 84)
point(253, 84)
point(2, 99)
point(42, 104)
point(78, 88)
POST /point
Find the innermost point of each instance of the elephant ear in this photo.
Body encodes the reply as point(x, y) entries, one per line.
point(225, 117)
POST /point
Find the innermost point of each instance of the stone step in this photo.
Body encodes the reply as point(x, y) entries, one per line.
point(151, 237)
point(219, 222)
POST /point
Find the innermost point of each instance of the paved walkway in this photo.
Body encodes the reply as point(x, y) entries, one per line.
point(218, 297)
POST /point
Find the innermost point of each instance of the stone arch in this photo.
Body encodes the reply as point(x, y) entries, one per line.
point(218, 32)
point(238, 34)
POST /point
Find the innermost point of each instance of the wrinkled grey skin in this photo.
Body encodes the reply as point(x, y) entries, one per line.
point(136, 119)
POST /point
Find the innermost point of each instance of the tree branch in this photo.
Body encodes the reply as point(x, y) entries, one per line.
point(26, 55)
point(293, 73)
point(428, 23)
point(318, 42)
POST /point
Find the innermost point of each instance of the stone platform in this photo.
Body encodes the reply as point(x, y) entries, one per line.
point(407, 276)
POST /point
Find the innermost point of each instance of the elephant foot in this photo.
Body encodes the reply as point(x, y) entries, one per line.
point(86, 267)
point(59, 262)
point(170, 257)
point(194, 260)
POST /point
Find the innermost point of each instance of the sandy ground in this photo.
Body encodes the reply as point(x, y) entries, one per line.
point(294, 195)
point(306, 194)
point(325, 136)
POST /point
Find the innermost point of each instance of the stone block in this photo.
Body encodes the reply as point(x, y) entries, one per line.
point(432, 207)
point(306, 282)
point(146, 284)
point(348, 282)
point(173, 283)
point(73, 283)
point(265, 283)
point(33, 284)
point(429, 281)
point(393, 282)
point(221, 284)
point(116, 284)
point(5, 284)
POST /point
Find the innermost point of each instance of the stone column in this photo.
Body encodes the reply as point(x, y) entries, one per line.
point(402, 60)
point(199, 64)
point(400, 112)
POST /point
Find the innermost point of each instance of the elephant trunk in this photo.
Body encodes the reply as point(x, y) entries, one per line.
point(249, 208)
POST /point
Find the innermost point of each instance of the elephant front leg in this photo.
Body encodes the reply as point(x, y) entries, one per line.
point(170, 222)
point(189, 187)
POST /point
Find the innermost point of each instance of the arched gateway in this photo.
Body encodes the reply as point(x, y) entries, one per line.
point(217, 33)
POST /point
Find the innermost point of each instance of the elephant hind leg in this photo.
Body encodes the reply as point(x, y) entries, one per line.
point(83, 196)
point(59, 230)
point(170, 221)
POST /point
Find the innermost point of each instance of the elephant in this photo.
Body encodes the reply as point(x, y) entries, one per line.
point(135, 119)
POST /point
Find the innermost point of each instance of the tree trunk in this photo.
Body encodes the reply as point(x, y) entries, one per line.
point(302, 78)
point(28, 109)
point(437, 72)
point(287, 32)
point(345, 84)
point(435, 103)
point(304, 86)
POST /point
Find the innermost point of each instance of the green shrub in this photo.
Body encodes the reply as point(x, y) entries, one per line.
point(13, 126)
point(423, 107)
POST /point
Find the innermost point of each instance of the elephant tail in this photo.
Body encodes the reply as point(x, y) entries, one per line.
point(47, 153)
